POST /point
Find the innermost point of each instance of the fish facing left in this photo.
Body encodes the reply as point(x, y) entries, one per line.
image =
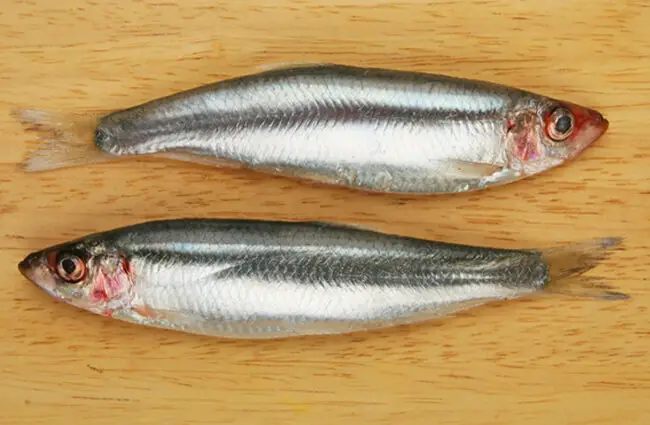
point(265, 279)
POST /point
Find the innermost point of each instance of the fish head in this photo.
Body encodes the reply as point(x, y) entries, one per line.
point(87, 275)
point(545, 133)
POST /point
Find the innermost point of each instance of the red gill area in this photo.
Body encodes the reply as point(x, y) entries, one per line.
point(106, 287)
point(525, 145)
point(100, 288)
point(126, 266)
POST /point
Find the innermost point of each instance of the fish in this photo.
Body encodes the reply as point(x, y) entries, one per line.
point(365, 128)
point(265, 279)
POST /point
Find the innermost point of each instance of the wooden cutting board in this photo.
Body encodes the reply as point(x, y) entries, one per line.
point(535, 362)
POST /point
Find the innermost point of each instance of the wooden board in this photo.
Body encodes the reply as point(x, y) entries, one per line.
point(538, 362)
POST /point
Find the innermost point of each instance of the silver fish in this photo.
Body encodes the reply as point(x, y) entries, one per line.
point(266, 279)
point(370, 129)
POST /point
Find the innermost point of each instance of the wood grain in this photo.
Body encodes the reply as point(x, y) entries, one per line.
point(539, 362)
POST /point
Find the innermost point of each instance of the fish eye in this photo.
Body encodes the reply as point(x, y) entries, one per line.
point(560, 124)
point(70, 267)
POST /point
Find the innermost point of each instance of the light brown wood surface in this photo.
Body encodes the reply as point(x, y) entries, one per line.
point(537, 362)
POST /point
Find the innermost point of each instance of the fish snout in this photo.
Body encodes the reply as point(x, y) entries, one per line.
point(27, 265)
point(598, 122)
point(35, 270)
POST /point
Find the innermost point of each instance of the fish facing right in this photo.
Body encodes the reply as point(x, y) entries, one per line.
point(265, 279)
point(372, 129)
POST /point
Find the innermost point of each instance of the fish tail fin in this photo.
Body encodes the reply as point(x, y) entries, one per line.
point(568, 263)
point(63, 139)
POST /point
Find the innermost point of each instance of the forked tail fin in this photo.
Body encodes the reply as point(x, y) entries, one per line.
point(64, 139)
point(568, 263)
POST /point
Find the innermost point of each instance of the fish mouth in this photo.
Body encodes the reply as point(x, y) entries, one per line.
point(604, 124)
point(599, 122)
point(594, 128)
point(33, 269)
point(27, 265)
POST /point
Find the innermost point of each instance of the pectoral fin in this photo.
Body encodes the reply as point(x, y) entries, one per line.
point(469, 170)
